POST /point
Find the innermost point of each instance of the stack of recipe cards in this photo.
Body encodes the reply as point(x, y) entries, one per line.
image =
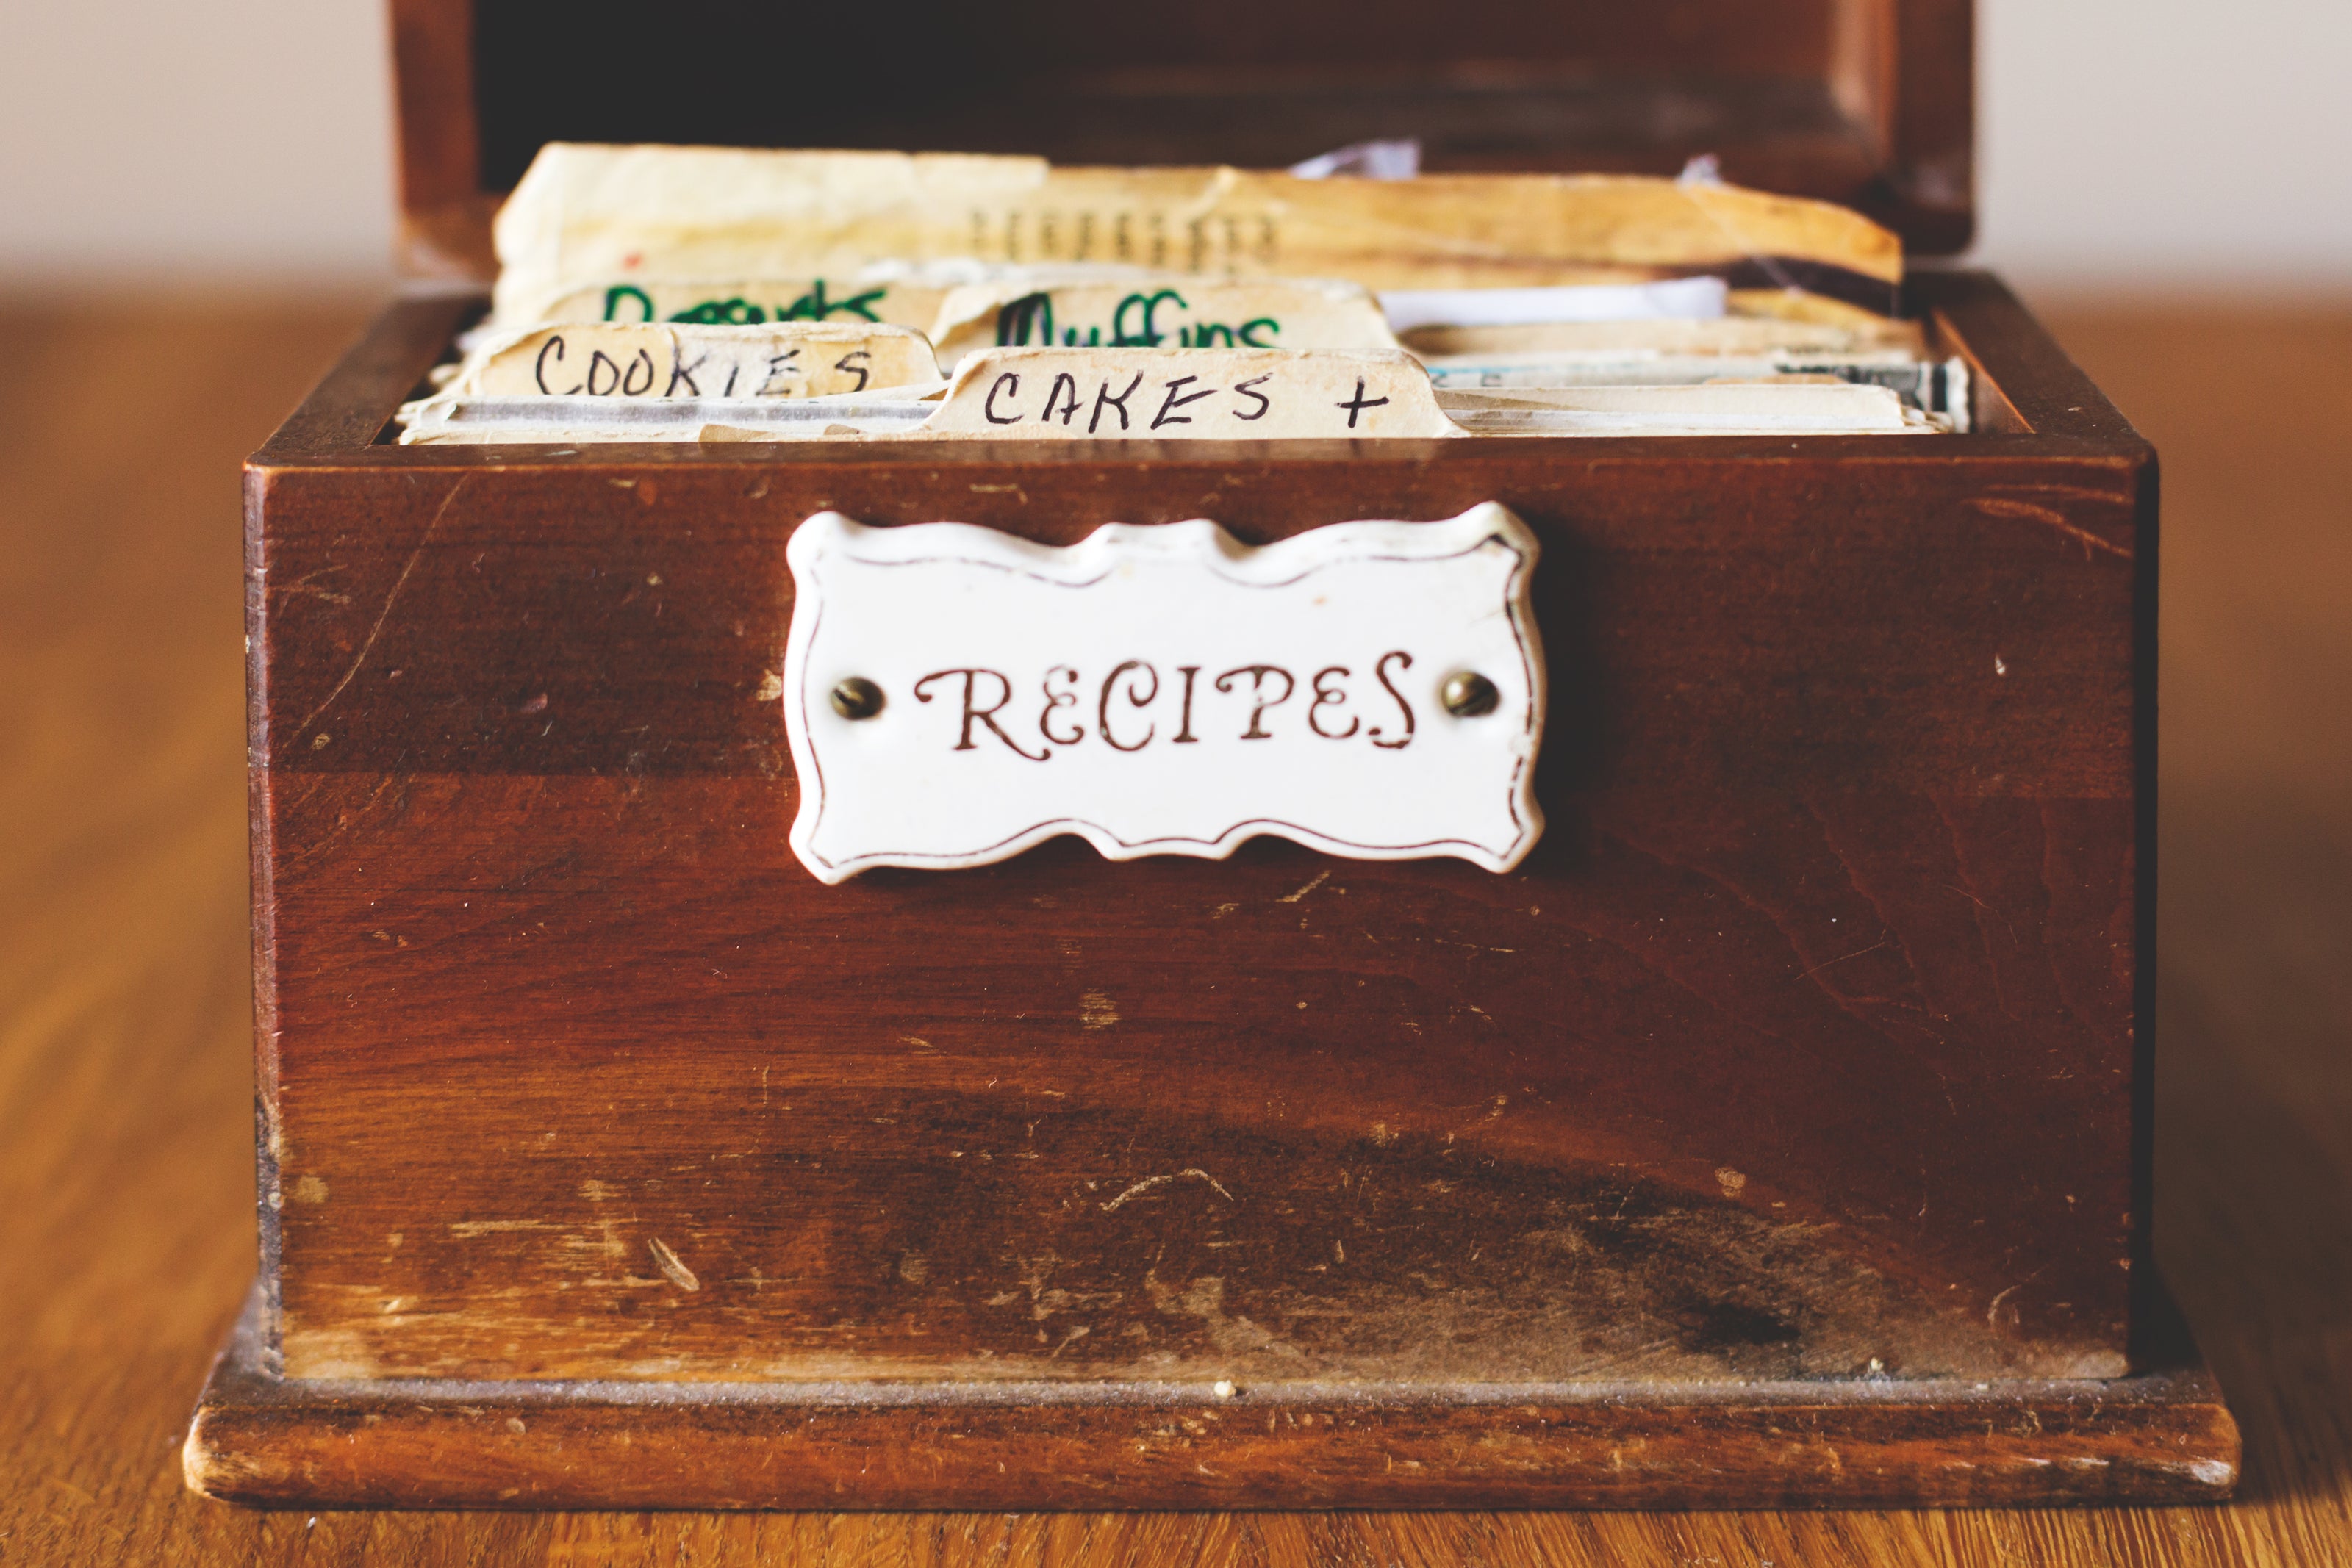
point(703, 294)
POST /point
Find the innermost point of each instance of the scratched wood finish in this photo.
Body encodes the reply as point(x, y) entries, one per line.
point(125, 1142)
point(411, 1443)
point(1803, 1046)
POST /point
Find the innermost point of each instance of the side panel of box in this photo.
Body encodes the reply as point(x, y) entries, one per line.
point(1803, 1045)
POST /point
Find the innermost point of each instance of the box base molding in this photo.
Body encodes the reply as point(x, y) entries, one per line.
point(2162, 1436)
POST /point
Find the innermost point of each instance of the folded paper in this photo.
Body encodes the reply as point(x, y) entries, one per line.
point(591, 215)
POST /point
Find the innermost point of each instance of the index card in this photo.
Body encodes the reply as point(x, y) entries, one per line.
point(744, 302)
point(1049, 310)
point(1180, 394)
point(607, 359)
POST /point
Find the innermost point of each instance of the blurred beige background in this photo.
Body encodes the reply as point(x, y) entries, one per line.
point(2132, 144)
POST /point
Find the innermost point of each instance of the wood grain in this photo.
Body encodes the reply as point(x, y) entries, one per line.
point(889, 1130)
point(260, 1438)
point(1803, 1045)
point(124, 1188)
point(445, 229)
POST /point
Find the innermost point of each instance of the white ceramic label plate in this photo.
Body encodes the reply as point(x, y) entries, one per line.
point(1162, 690)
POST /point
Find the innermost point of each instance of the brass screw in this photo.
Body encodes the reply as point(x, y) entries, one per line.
point(1469, 694)
point(858, 697)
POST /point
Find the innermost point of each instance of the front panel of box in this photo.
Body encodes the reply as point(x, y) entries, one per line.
point(1800, 1044)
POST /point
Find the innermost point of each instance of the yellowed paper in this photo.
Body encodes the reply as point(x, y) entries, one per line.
point(1777, 408)
point(1730, 335)
point(605, 360)
point(1047, 311)
point(602, 215)
point(744, 302)
point(1186, 395)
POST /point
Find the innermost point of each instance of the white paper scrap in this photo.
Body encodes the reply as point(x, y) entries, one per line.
point(1397, 158)
point(1677, 299)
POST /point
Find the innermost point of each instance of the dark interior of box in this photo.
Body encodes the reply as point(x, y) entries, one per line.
point(1793, 95)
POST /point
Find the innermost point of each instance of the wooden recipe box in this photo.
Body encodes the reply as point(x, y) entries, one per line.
point(1777, 1133)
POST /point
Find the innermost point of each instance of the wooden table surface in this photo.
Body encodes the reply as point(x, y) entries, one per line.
point(126, 1185)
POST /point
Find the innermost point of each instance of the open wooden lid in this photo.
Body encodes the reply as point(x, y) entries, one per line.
point(1866, 102)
